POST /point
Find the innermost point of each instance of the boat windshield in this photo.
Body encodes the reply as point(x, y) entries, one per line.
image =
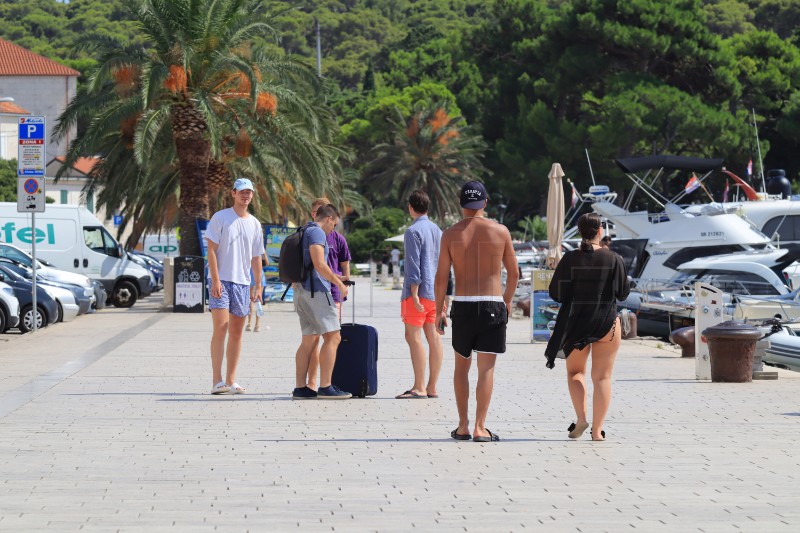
point(730, 281)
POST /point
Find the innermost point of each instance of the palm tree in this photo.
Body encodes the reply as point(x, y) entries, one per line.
point(195, 105)
point(431, 151)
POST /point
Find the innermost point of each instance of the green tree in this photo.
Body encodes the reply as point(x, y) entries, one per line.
point(618, 77)
point(432, 151)
point(8, 180)
point(367, 238)
point(195, 106)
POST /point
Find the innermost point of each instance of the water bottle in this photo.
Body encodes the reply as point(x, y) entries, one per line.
point(259, 309)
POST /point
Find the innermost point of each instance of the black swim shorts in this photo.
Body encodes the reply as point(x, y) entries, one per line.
point(479, 326)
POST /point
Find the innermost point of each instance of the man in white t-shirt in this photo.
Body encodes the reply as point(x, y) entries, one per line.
point(235, 245)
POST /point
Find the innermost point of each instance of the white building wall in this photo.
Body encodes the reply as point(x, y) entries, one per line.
point(43, 95)
point(8, 136)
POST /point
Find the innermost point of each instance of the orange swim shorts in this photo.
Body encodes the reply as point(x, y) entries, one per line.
point(416, 318)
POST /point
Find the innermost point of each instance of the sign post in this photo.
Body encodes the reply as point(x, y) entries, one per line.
point(31, 161)
point(543, 309)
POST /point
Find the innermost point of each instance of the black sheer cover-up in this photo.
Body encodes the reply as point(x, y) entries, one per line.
point(587, 285)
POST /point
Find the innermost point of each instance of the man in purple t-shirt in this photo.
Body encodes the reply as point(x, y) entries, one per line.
point(339, 263)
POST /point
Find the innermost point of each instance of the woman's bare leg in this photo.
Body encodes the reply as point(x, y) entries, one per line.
point(576, 379)
point(604, 353)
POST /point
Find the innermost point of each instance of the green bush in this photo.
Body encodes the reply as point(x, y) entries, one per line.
point(369, 233)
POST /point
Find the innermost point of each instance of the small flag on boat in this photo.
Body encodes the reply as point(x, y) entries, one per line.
point(750, 167)
point(725, 193)
point(575, 195)
point(692, 184)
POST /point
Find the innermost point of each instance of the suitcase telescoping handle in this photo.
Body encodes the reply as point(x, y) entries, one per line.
point(351, 283)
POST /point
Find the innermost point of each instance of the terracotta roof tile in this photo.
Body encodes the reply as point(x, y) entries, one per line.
point(12, 109)
point(18, 61)
point(83, 164)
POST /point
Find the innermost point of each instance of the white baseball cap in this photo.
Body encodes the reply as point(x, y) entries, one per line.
point(242, 184)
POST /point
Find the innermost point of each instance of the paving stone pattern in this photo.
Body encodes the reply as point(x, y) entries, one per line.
point(106, 425)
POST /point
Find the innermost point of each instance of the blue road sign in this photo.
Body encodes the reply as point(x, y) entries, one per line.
point(29, 130)
point(117, 220)
point(31, 152)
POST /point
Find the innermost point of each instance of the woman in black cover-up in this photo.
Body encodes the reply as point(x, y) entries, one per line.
point(588, 282)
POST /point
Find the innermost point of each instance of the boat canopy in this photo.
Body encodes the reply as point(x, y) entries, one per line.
point(632, 165)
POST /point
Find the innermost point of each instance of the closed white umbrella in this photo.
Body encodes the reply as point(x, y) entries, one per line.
point(555, 215)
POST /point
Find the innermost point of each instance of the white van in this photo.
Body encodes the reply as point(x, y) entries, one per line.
point(71, 238)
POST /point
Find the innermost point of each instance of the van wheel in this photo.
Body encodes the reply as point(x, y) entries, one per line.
point(124, 294)
point(26, 318)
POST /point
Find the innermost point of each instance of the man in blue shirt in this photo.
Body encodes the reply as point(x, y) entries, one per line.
point(418, 307)
point(317, 310)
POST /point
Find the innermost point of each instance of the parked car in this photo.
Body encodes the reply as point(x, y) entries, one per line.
point(66, 305)
point(9, 307)
point(152, 264)
point(84, 296)
point(43, 268)
point(73, 239)
point(46, 307)
point(100, 296)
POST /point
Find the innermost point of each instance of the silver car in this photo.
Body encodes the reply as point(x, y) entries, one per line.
point(9, 308)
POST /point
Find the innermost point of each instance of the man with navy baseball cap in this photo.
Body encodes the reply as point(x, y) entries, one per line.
point(473, 195)
point(477, 249)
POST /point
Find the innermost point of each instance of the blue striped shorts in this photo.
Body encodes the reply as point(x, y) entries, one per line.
point(235, 298)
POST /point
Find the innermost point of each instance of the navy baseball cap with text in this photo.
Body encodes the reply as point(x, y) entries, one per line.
point(473, 195)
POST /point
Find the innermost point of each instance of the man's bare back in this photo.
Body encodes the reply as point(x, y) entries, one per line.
point(477, 249)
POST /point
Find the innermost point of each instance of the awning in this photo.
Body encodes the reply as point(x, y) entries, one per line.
point(676, 162)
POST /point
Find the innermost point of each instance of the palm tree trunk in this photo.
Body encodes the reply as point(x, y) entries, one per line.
point(218, 179)
point(194, 152)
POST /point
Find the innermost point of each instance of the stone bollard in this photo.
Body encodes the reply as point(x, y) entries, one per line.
point(731, 346)
point(168, 282)
point(684, 337)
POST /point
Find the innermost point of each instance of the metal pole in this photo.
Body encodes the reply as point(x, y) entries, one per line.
point(319, 49)
point(760, 161)
point(591, 172)
point(35, 309)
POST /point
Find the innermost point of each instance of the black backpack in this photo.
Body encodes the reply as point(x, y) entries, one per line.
point(291, 267)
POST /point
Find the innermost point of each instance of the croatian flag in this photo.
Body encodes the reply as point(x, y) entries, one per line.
point(575, 195)
point(725, 193)
point(750, 167)
point(692, 184)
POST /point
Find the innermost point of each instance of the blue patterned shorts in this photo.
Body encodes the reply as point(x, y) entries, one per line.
point(235, 298)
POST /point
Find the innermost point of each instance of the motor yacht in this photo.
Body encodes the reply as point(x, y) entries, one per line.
point(654, 245)
point(754, 283)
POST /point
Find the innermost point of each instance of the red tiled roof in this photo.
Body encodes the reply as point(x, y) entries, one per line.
point(18, 61)
point(12, 109)
point(83, 164)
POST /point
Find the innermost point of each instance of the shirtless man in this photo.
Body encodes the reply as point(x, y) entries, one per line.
point(477, 249)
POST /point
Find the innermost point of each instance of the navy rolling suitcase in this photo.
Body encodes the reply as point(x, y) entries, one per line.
point(356, 368)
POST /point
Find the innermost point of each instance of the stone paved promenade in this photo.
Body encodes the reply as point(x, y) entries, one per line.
point(106, 425)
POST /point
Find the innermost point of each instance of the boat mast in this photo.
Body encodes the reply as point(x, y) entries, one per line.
point(591, 172)
point(760, 160)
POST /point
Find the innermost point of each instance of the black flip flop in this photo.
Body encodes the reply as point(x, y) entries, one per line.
point(411, 395)
point(603, 434)
point(491, 438)
point(458, 436)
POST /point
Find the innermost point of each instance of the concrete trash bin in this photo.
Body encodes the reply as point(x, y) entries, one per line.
point(684, 337)
point(731, 346)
